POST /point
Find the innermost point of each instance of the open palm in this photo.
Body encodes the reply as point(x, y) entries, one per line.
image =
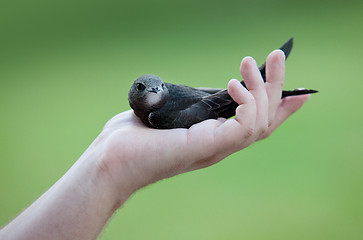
point(146, 155)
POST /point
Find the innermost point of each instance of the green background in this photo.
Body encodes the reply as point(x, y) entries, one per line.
point(66, 67)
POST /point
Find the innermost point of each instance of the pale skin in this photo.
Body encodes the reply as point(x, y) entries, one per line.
point(127, 155)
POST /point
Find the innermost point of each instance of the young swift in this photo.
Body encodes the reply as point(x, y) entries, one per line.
point(164, 105)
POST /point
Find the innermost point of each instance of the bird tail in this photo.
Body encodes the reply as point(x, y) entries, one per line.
point(286, 48)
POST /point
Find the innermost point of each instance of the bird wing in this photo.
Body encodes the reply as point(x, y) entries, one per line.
point(286, 48)
point(180, 118)
point(221, 103)
point(209, 107)
point(209, 90)
point(217, 101)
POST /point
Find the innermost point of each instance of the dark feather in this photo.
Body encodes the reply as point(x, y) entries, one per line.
point(186, 106)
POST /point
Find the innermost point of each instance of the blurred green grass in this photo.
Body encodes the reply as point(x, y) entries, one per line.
point(66, 68)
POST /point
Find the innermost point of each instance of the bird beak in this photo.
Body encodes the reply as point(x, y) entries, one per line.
point(154, 90)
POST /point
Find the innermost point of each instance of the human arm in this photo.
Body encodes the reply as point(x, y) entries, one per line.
point(128, 155)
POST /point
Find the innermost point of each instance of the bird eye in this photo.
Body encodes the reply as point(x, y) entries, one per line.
point(140, 86)
point(162, 85)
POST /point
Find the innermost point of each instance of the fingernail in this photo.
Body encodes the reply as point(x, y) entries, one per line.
point(248, 60)
point(252, 59)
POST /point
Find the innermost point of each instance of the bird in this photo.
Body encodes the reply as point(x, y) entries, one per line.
point(163, 105)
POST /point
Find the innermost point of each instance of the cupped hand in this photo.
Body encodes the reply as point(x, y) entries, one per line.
point(134, 155)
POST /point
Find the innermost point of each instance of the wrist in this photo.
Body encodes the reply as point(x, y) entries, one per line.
point(104, 183)
point(77, 206)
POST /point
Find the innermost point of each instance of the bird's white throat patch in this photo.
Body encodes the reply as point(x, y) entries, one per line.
point(153, 98)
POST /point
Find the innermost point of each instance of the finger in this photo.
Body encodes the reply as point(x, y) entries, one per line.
point(275, 75)
point(251, 74)
point(254, 82)
point(234, 132)
point(287, 107)
point(245, 102)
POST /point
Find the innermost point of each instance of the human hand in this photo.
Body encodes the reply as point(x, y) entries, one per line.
point(127, 155)
point(134, 155)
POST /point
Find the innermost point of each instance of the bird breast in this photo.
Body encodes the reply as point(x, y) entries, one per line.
point(153, 99)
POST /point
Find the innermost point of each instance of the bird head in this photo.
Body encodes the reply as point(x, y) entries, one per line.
point(148, 92)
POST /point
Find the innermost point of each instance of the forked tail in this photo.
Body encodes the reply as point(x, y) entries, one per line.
point(286, 48)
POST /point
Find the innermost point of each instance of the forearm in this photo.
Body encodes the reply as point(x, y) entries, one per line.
point(76, 207)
